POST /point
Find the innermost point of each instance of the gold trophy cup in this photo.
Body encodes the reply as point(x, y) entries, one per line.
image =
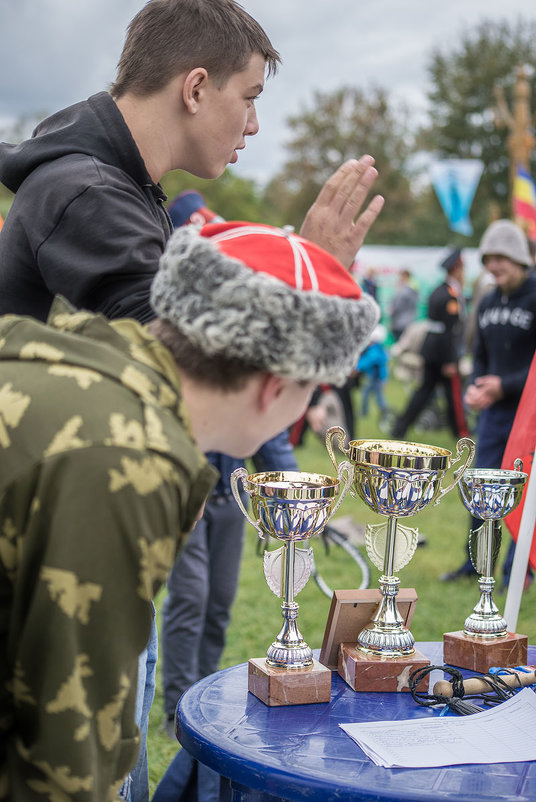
point(290, 506)
point(396, 479)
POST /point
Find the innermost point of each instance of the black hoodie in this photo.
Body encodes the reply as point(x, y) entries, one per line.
point(505, 340)
point(87, 221)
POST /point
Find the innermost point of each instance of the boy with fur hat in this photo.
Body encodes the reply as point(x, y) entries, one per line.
point(505, 343)
point(196, 610)
point(248, 320)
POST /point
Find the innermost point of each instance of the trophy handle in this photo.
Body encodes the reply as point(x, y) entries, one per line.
point(236, 476)
point(345, 475)
point(332, 433)
point(518, 465)
point(463, 443)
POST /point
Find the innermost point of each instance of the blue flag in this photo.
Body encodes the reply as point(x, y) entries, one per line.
point(455, 182)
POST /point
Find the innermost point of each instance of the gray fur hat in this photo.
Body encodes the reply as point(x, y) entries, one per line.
point(505, 238)
point(264, 296)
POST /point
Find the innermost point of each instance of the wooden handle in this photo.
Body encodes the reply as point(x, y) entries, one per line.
point(478, 685)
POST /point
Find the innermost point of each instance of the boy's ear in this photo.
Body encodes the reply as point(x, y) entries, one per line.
point(193, 88)
point(270, 389)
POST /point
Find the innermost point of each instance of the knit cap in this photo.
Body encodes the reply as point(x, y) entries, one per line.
point(264, 296)
point(505, 238)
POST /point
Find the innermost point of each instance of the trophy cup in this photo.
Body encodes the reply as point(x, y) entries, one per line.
point(290, 506)
point(491, 495)
point(396, 479)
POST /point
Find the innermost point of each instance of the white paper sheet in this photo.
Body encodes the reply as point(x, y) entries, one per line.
point(502, 734)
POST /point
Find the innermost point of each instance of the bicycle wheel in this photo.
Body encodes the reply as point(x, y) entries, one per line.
point(331, 566)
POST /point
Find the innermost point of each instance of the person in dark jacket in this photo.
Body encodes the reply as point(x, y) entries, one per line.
point(403, 308)
point(505, 343)
point(88, 219)
point(441, 351)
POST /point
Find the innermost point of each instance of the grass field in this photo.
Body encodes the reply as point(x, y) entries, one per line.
point(441, 607)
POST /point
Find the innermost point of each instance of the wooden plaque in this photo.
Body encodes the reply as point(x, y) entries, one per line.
point(350, 611)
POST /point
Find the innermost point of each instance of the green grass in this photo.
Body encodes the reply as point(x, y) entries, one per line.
point(441, 607)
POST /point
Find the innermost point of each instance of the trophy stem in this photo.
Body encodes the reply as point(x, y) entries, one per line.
point(488, 546)
point(289, 649)
point(386, 634)
point(390, 543)
point(485, 621)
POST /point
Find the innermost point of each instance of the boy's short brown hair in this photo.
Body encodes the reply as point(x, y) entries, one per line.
point(219, 372)
point(170, 37)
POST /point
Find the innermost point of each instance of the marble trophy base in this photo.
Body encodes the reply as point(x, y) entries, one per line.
point(289, 686)
point(369, 672)
point(481, 654)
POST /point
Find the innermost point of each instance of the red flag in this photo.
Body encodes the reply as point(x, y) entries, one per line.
point(521, 445)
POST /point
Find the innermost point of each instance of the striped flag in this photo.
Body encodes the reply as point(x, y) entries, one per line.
point(524, 202)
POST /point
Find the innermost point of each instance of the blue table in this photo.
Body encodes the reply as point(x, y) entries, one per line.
point(300, 752)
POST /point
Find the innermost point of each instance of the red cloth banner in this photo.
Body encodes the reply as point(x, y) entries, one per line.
point(521, 445)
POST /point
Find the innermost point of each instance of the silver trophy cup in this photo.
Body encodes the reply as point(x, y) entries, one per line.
point(489, 494)
point(396, 479)
point(290, 506)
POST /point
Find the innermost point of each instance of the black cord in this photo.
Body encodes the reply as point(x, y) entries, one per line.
point(498, 687)
point(498, 692)
point(429, 700)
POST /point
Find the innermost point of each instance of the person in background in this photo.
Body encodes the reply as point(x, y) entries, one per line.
point(189, 208)
point(88, 219)
point(370, 283)
point(505, 342)
point(202, 584)
point(373, 363)
point(403, 309)
point(330, 406)
point(405, 353)
point(482, 284)
point(441, 351)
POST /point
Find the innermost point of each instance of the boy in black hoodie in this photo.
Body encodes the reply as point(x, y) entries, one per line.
point(504, 346)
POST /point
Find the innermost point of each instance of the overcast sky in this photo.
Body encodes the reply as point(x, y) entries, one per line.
point(56, 52)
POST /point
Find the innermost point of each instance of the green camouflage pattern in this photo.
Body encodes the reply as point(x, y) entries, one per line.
point(99, 480)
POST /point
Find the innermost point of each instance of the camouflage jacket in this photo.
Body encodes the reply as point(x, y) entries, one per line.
point(99, 479)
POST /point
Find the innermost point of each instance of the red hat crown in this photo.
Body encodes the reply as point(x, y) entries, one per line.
point(286, 256)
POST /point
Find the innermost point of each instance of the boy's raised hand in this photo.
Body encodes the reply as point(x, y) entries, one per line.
point(334, 221)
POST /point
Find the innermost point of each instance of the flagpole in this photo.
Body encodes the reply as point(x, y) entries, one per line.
point(520, 141)
point(521, 555)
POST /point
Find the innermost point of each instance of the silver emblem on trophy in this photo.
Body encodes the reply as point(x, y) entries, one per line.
point(290, 506)
point(396, 479)
point(489, 494)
